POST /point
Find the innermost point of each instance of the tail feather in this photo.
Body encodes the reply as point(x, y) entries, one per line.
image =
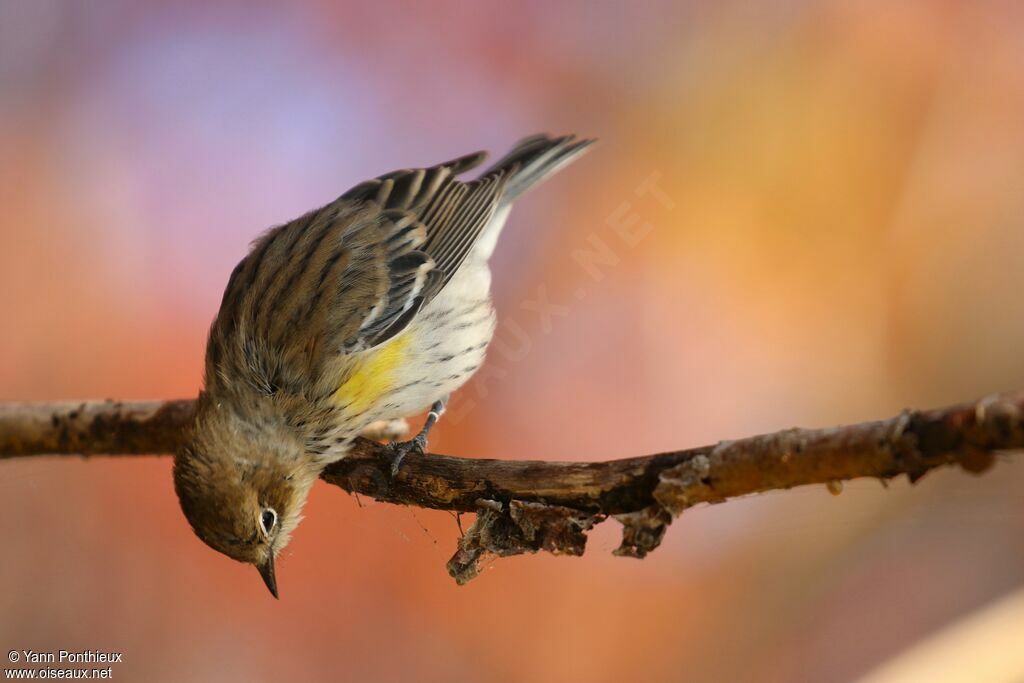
point(530, 161)
point(535, 158)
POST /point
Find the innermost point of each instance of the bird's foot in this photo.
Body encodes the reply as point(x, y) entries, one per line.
point(417, 444)
point(399, 449)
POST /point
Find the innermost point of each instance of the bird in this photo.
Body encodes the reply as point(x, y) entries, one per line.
point(376, 306)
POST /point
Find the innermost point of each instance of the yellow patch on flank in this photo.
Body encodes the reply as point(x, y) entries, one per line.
point(373, 376)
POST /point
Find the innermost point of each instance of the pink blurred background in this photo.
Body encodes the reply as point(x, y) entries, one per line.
point(840, 236)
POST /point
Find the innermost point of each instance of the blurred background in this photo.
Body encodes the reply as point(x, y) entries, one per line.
point(836, 232)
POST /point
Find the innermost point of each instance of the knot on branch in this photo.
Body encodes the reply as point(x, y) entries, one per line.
point(901, 442)
point(643, 530)
point(968, 438)
point(1000, 420)
point(519, 527)
point(688, 483)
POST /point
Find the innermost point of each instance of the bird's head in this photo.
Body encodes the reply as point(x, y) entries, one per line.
point(242, 488)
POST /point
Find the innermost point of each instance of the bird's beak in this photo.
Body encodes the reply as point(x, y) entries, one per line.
point(267, 572)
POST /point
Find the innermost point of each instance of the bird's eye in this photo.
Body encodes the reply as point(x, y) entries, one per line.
point(268, 519)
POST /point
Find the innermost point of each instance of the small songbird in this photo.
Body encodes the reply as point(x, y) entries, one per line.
point(374, 307)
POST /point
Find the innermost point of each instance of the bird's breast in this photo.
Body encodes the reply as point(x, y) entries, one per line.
point(431, 359)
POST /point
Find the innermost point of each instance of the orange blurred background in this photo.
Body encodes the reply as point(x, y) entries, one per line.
point(836, 235)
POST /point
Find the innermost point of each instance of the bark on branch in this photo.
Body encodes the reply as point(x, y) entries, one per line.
point(526, 506)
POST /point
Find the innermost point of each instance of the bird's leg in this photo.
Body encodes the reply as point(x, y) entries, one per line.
point(418, 443)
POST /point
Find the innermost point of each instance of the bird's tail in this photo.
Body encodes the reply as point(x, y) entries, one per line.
point(536, 158)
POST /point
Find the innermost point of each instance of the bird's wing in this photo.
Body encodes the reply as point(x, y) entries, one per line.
point(453, 212)
point(353, 274)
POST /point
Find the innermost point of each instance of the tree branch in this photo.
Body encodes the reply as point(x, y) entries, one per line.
point(526, 506)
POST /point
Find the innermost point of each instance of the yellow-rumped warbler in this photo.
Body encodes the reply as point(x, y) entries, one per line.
point(373, 307)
